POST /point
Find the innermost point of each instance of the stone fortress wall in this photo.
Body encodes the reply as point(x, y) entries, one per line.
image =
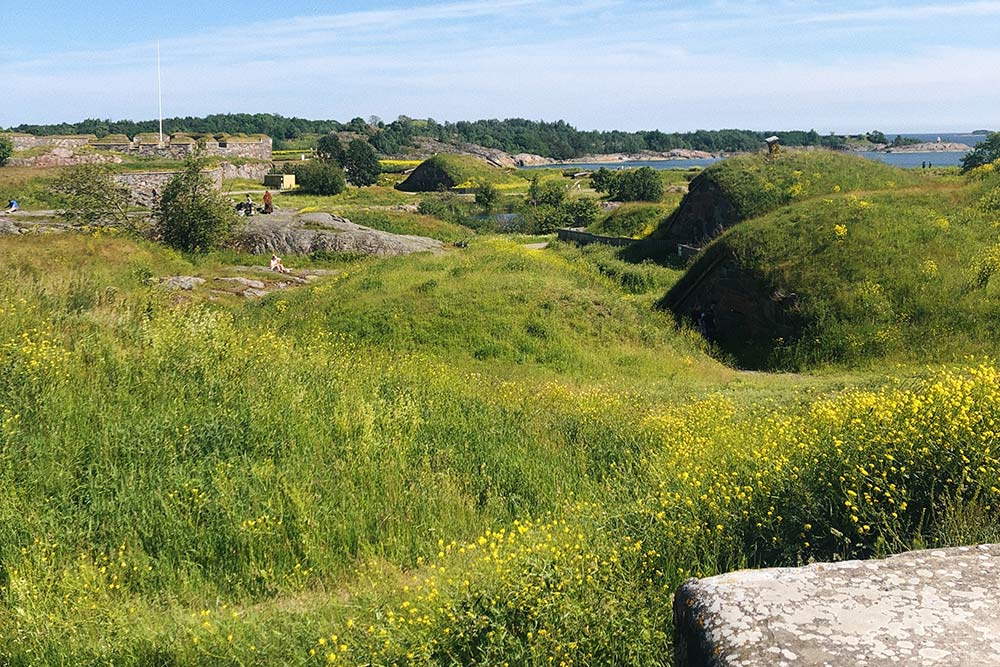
point(177, 146)
point(145, 186)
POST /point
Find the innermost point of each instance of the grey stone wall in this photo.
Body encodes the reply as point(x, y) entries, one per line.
point(141, 184)
point(254, 170)
point(24, 142)
point(578, 235)
point(257, 148)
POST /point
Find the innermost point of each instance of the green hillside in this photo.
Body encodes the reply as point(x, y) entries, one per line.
point(744, 187)
point(447, 171)
point(502, 454)
point(635, 220)
point(904, 273)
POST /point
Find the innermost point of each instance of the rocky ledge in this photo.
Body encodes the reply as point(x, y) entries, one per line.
point(933, 608)
point(289, 233)
point(930, 147)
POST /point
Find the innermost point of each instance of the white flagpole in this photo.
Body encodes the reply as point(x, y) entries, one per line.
point(159, 90)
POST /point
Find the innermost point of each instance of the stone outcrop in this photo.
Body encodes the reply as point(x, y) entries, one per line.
point(185, 283)
point(283, 233)
point(933, 608)
point(930, 147)
point(493, 156)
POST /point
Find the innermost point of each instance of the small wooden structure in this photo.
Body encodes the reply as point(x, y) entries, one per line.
point(280, 181)
point(773, 145)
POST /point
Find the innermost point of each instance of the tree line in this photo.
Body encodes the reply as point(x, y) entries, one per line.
point(557, 139)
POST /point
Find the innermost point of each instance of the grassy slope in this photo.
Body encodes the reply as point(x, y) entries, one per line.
point(753, 185)
point(634, 220)
point(886, 272)
point(448, 171)
point(492, 455)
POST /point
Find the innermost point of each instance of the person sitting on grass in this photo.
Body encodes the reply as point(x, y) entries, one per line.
point(12, 206)
point(276, 265)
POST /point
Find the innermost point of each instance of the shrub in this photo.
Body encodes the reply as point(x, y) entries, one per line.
point(361, 163)
point(329, 149)
point(985, 152)
point(447, 206)
point(91, 196)
point(546, 193)
point(486, 196)
point(191, 215)
point(6, 149)
point(642, 184)
point(320, 178)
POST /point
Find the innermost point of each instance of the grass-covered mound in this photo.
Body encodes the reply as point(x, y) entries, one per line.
point(500, 303)
point(634, 220)
point(741, 188)
point(446, 171)
point(905, 274)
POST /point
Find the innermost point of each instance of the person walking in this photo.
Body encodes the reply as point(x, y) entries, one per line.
point(268, 206)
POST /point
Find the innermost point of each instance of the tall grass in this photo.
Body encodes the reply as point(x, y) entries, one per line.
point(497, 455)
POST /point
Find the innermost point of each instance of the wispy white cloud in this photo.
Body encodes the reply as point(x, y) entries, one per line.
point(906, 12)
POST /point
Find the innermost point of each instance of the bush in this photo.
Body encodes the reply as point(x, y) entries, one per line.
point(361, 163)
point(320, 178)
point(487, 196)
point(191, 215)
point(546, 193)
point(91, 196)
point(329, 149)
point(642, 184)
point(6, 149)
point(449, 207)
point(985, 152)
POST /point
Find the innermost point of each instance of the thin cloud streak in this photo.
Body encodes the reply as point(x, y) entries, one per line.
point(908, 13)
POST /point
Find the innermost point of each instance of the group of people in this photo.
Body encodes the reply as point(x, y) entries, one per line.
point(12, 206)
point(247, 207)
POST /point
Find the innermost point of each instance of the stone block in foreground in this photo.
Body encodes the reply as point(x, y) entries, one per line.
point(929, 608)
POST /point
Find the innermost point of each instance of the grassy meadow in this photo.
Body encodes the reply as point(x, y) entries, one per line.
point(497, 455)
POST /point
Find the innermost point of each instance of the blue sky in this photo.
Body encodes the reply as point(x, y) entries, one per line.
point(598, 64)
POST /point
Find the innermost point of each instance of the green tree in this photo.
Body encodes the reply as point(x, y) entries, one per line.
point(329, 149)
point(602, 179)
point(91, 196)
point(487, 196)
point(361, 163)
point(877, 137)
point(580, 212)
point(6, 150)
point(546, 193)
point(191, 215)
point(985, 152)
point(642, 184)
point(320, 178)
